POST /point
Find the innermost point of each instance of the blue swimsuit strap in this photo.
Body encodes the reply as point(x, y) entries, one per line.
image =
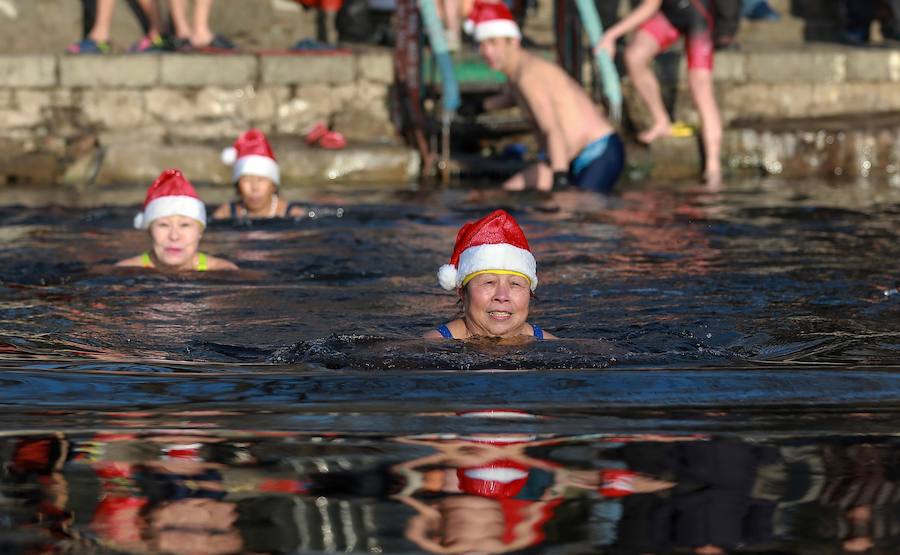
point(445, 332)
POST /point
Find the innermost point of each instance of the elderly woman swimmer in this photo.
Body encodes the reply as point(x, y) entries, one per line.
point(493, 272)
point(256, 176)
point(175, 217)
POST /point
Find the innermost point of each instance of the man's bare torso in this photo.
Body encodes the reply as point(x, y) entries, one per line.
point(578, 118)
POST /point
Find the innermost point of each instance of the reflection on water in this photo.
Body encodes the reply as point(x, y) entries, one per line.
point(189, 491)
point(726, 383)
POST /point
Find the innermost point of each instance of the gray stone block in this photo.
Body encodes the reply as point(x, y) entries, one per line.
point(873, 65)
point(307, 70)
point(108, 71)
point(806, 66)
point(27, 71)
point(378, 68)
point(179, 70)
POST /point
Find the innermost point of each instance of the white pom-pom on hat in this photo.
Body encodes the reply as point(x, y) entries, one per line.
point(447, 276)
point(469, 26)
point(139, 220)
point(229, 155)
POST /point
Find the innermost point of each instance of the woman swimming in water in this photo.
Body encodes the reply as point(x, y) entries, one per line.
point(175, 217)
point(493, 272)
point(256, 177)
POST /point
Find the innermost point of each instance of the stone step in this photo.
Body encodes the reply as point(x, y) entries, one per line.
point(787, 30)
point(300, 165)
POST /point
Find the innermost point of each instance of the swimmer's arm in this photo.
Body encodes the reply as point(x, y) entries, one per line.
point(633, 20)
point(547, 121)
point(222, 212)
point(432, 334)
point(499, 101)
point(215, 263)
point(548, 335)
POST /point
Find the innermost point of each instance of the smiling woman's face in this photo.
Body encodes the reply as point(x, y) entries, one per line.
point(496, 305)
point(176, 240)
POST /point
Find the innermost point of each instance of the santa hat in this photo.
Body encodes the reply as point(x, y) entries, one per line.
point(492, 19)
point(498, 479)
point(493, 244)
point(251, 154)
point(171, 194)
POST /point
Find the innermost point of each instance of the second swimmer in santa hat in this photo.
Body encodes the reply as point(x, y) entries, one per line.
point(494, 274)
point(256, 177)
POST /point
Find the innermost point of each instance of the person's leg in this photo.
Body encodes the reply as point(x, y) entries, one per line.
point(891, 27)
point(151, 10)
point(178, 13)
point(529, 178)
point(88, 15)
point(638, 56)
point(700, 81)
point(103, 21)
point(202, 34)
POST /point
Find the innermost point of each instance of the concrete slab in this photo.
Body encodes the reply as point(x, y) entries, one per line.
point(307, 70)
point(27, 71)
point(129, 71)
point(189, 70)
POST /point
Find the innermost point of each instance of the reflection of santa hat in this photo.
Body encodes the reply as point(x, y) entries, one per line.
point(499, 479)
point(170, 195)
point(489, 20)
point(251, 154)
point(493, 244)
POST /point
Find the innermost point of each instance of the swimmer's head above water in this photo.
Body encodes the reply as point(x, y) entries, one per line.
point(494, 274)
point(256, 176)
point(175, 217)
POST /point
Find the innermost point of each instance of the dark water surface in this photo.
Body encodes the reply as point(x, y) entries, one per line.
point(727, 380)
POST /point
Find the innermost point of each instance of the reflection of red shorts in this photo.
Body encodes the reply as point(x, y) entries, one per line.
point(324, 5)
point(698, 43)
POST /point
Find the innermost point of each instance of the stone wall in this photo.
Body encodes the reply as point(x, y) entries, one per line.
point(60, 115)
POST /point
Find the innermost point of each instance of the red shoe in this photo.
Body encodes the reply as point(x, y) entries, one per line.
point(318, 131)
point(333, 140)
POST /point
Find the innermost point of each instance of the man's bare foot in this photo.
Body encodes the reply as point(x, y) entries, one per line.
point(655, 132)
point(713, 178)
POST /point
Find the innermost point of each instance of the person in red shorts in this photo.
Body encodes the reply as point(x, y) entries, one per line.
point(659, 24)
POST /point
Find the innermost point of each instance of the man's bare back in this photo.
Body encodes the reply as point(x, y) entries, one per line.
point(544, 86)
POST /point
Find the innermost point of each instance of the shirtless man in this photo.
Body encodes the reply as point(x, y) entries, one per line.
point(659, 24)
point(582, 147)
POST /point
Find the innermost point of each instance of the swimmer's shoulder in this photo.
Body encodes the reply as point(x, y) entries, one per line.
point(457, 329)
point(133, 262)
point(214, 263)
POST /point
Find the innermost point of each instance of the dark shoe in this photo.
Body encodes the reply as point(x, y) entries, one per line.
point(89, 46)
point(217, 44)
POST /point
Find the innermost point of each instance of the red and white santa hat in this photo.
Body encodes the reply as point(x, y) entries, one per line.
point(498, 479)
point(251, 154)
point(171, 194)
point(494, 244)
point(491, 19)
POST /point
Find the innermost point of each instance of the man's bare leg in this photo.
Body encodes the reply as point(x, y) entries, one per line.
point(638, 56)
point(202, 35)
point(151, 10)
point(178, 11)
point(102, 21)
point(532, 177)
point(701, 84)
